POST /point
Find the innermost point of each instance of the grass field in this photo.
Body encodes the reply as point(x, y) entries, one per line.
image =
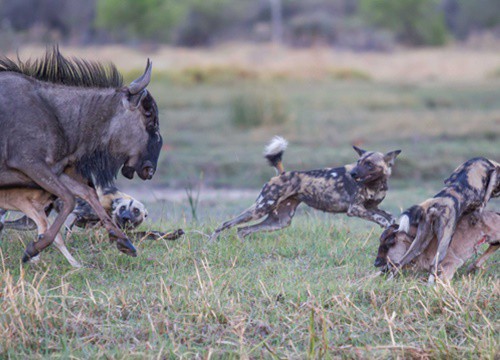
point(309, 291)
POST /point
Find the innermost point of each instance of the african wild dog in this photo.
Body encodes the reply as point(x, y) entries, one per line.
point(467, 190)
point(471, 231)
point(66, 123)
point(356, 189)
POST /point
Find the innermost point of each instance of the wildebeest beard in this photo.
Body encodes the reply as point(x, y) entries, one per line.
point(99, 167)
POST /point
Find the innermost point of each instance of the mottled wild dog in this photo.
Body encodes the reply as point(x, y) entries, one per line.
point(69, 122)
point(467, 190)
point(472, 230)
point(356, 189)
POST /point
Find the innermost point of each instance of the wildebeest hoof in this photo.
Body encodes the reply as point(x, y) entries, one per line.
point(126, 247)
point(30, 252)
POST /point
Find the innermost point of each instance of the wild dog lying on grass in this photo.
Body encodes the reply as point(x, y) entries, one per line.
point(467, 190)
point(127, 212)
point(356, 189)
point(471, 231)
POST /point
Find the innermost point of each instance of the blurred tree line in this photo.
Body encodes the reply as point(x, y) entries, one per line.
point(358, 24)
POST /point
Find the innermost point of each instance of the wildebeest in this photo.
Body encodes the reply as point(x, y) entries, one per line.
point(467, 190)
point(67, 123)
point(472, 230)
point(355, 189)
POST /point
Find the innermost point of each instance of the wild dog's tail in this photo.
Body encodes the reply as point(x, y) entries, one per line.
point(274, 153)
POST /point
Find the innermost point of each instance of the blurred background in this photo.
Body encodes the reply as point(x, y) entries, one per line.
point(419, 75)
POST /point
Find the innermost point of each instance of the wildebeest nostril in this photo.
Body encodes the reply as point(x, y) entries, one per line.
point(379, 262)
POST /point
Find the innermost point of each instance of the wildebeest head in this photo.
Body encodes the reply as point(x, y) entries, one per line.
point(372, 166)
point(136, 129)
point(128, 213)
point(393, 245)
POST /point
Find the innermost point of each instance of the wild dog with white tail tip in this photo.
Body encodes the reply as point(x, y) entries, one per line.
point(467, 191)
point(356, 189)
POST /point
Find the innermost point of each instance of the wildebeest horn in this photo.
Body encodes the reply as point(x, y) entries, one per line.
point(140, 83)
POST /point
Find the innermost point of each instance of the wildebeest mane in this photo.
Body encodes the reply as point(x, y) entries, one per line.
point(99, 168)
point(55, 68)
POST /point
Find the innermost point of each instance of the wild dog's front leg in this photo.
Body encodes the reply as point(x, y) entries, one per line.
point(278, 219)
point(376, 215)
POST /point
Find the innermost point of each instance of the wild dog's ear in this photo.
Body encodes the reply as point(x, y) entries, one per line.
point(391, 156)
point(358, 150)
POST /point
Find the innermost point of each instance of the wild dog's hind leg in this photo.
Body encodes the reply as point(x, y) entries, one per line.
point(252, 213)
point(280, 218)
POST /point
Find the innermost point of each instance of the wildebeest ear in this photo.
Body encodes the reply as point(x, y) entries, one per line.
point(138, 85)
point(358, 150)
point(391, 156)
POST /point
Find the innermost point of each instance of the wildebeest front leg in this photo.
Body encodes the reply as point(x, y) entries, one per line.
point(41, 174)
point(376, 215)
point(280, 218)
point(90, 196)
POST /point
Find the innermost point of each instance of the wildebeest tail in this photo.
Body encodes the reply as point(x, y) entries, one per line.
point(274, 153)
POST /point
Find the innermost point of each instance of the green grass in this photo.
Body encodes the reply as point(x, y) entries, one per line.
point(307, 291)
point(438, 126)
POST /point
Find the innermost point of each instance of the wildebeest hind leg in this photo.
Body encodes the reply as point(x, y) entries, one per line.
point(47, 180)
point(89, 195)
point(478, 264)
point(280, 218)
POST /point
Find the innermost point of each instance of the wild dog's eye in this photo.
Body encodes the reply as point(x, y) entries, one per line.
point(137, 212)
point(148, 113)
point(122, 208)
point(369, 165)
